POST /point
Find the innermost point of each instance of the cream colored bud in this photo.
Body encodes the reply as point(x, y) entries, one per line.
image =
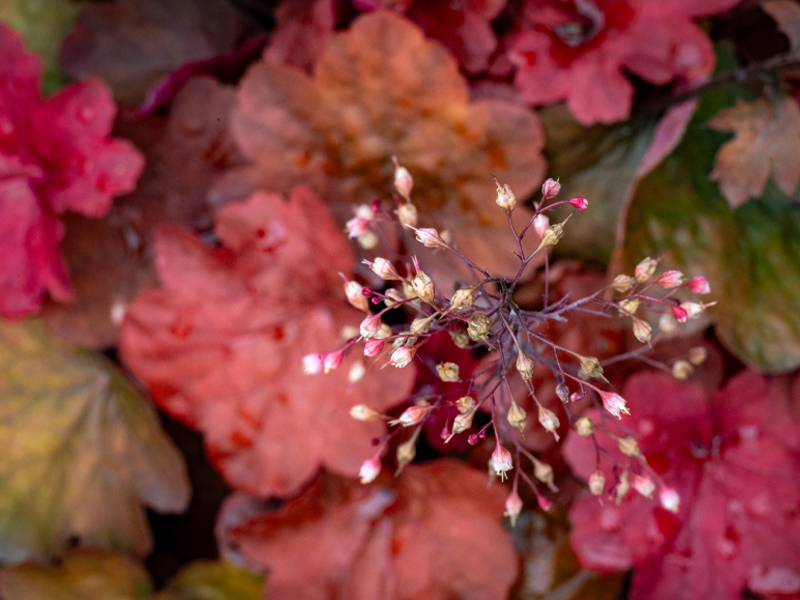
point(460, 338)
point(407, 214)
point(505, 197)
point(465, 404)
point(590, 368)
point(462, 422)
point(448, 371)
point(623, 486)
point(524, 366)
point(544, 473)
point(406, 453)
point(642, 330)
point(408, 291)
point(562, 391)
point(516, 416)
point(622, 283)
point(597, 482)
point(402, 356)
point(551, 236)
point(667, 324)
point(478, 327)
point(368, 240)
point(462, 299)
point(548, 420)
point(697, 355)
point(384, 269)
point(362, 412)
point(384, 332)
point(403, 182)
point(421, 324)
point(644, 485)
point(681, 369)
point(423, 286)
point(357, 371)
point(513, 507)
point(393, 298)
point(584, 426)
point(629, 306)
point(645, 269)
point(348, 332)
point(355, 295)
point(628, 446)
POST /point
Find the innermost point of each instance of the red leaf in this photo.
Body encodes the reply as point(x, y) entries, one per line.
point(55, 156)
point(729, 458)
point(221, 345)
point(434, 534)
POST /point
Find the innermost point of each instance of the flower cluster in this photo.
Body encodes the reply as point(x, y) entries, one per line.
point(483, 315)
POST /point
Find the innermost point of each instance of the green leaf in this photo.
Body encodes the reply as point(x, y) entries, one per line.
point(82, 575)
point(213, 580)
point(751, 255)
point(43, 25)
point(82, 451)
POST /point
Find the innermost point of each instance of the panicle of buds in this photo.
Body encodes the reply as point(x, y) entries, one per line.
point(579, 203)
point(501, 461)
point(669, 499)
point(370, 469)
point(641, 330)
point(645, 269)
point(670, 279)
point(362, 412)
point(447, 371)
point(524, 366)
point(505, 197)
point(513, 507)
point(623, 283)
point(548, 420)
point(699, 285)
point(403, 182)
point(478, 327)
point(550, 189)
point(540, 224)
point(383, 269)
point(597, 482)
point(462, 299)
point(517, 416)
point(402, 356)
point(429, 238)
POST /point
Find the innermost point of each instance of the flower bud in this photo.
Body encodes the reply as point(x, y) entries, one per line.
point(383, 269)
point(642, 330)
point(362, 412)
point(505, 197)
point(584, 426)
point(540, 224)
point(355, 296)
point(423, 286)
point(516, 416)
point(462, 422)
point(370, 326)
point(548, 420)
point(681, 314)
point(551, 236)
point(669, 499)
point(623, 486)
point(544, 473)
point(331, 360)
point(590, 368)
point(501, 461)
point(622, 283)
point(357, 371)
point(667, 324)
point(513, 507)
point(644, 485)
point(312, 363)
point(524, 366)
point(628, 446)
point(699, 285)
point(402, 356)
point(670, 279)
point(693, 308)
point(460, 338)
point(562, 391)
point(403, 182)
point(597, 482)
point(629, 306)
point(421, 324)
point(411, 416)
point(614, 403)
point(697, 355)
point(356, 227)
point(448, 371)
point(368, 240)
point(406, 453)
point(543, 503)
point(373, 347)
point(384, 332)
point(430, 238)
point(550, 189)
point(681, 369)
point(579, 203)
point(407, 214)
point(462, 299)
point(478, 327)
point(645, 269)
point(465, 404)
point(370, 469)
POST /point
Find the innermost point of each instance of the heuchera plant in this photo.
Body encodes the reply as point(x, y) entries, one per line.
point(483, 315)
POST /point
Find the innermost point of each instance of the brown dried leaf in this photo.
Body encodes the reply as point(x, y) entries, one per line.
point(767, 144)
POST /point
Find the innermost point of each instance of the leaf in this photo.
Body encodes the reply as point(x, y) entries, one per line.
point(787, 15)
point(220, 346)
point(381, 89)
point(212, 580)
point(82, 451)
point(82, 574)
point(767, 144)
point(130, 44)
point(433, 533)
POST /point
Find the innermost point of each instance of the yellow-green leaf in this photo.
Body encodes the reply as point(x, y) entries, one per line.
point(213, 580)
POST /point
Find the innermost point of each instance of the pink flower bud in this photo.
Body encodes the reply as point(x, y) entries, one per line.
point(373, 347)
point(540, 224)
point(645, 269)
point(513, 506)
point(362, 412)
point(597, 482)
point(644, 485)
point(357, 371)
point(411, 416)
point(332, 360)
point(403, 182)
point(680, 314)
point(312, 363)
point(473, 439)
point(670, 279)
point(699, 285)
point(430, 238)
point(544, 503)
point(407, 214)
point(669, 499)
point(579, 203)
point(614, 403)
point(383, 269)
point(370, 326)
point(356, 227)
point(548, 420)
point(501, 461)
point(370, 469)
point(550, 189)
point(692, 308)
point(445, 433)
point(402, 356)
point(355, 296)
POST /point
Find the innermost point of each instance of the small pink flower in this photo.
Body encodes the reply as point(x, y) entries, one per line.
point(540, 224)
point(370, 469)
point(513, 506)
point(501, 461)
point(331, 360)
point(411, 416)
point(579, 203)
point(402, 356)
point(356, 227)
point(614, 403)
point(370, 326)
point(644, 485)
point(544, 503)
point(699, 285)
point(403, 182)
point(373, 347)
point(355, 296)
point(670, 279)
point(680, 314)
point(550, 189)
point(430, 238)
point(312, 363)
point(669, 499)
